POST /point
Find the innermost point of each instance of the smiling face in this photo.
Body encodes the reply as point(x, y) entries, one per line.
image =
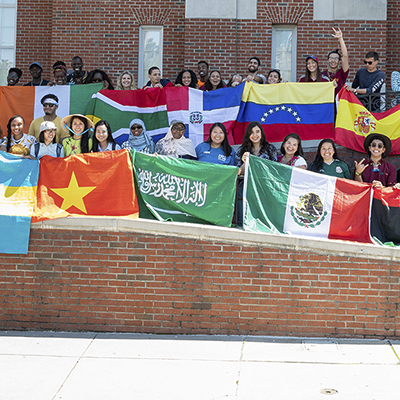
point(255, 136)
point(78, 127)
point(291, 145)
point(377, 148)
point(49, 135)
point(253, 65)
point(178, 130)
point(217, 137)
point(202, 70)
point(101, 133)
point(215, 79)
point(136, 129)
point(77, 65)
point(327, 152)
point(312, 65)
point(17, 127)
point(126, 82)
point(273, 77)
point(333, 61)
point(12, 78)
point(35, 71)
point(60, 77)
point(186, 78)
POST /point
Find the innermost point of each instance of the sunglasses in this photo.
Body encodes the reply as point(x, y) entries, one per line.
point(369, 62)
point(134, 128)
point(378, 145)
point(48, 105)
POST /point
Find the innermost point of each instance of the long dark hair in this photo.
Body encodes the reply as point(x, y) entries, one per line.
point(226, 147)
point(247, 144)
point(316, 165)
point(91, 75)
point(110, 138)
point(193, 83)
point(9, 130)
point(308, 73)
point(208, 85)
point(41, 137)
point(85, 136)
point(295, 136)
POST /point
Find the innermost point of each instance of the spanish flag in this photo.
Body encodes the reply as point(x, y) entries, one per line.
point(97, 184)
point(18, 184)
point(304, 108)
point(354, 122)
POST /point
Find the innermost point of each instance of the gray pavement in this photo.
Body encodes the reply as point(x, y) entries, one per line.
point(74, 366)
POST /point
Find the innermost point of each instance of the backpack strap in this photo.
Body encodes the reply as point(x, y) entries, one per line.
point(59, 147)
point(37, 147)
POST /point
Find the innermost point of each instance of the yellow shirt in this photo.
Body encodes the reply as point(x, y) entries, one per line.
point(35, 126)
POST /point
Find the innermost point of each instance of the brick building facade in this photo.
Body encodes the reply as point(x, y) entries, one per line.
point(106, 33)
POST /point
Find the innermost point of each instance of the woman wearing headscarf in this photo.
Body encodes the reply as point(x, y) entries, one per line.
point(175, 144)
point(138, 139)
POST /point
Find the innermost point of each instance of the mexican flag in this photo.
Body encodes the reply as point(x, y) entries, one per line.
point(180, 190)
point(25, 101)
point(97, 184)
point(281, 199)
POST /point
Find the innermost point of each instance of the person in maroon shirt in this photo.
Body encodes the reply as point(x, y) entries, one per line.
point(334, 73)
point(376, 170)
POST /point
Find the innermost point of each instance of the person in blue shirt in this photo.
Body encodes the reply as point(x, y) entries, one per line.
point(216, 149)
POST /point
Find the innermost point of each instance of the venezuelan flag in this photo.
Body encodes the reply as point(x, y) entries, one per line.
point(354, 122)
point(18, 185)
point(304, 108)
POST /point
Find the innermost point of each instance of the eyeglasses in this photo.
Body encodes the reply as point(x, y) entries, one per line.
point(135, 127)
point(369, 62)
point(176, 128)
point(333, 58)
point(48, 105)
point(378, 145)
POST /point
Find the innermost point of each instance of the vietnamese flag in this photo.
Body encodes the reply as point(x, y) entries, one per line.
point(98, 184)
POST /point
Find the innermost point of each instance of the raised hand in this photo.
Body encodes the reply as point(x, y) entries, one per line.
point(337, 33)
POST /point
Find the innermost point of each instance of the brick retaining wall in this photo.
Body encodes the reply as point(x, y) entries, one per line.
point(182, 283)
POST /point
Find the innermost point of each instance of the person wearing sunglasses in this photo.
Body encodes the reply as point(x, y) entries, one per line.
point(370, 79)
point(376, 170)
point(139, 139)
point(334, 72)
point(50, 106)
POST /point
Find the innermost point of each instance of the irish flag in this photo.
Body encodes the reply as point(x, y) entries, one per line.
point(25, 101)
point(281, 199)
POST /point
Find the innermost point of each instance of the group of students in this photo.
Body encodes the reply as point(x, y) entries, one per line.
point(85, 137)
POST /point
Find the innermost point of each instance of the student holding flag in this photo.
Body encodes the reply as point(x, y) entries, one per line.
point(376, 170)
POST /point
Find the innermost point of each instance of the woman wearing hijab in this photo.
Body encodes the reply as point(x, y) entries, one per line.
point(175, 144)
point(138, 139)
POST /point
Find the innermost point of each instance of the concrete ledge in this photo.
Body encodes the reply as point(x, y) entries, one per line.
point(230, 235)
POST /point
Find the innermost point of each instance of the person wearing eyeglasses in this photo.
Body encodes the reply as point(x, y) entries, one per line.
point(376, 170)
point(370, 79)
point(334, 73)
point(50, 105)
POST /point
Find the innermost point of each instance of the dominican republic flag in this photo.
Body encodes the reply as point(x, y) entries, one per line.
point(282, 199)
point(158, 107)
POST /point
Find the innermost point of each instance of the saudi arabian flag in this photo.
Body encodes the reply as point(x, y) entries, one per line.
point(281, 199)
point(184, 190)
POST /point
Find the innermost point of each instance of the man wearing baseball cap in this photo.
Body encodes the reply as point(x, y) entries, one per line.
point(36, 71)
point(50, 105)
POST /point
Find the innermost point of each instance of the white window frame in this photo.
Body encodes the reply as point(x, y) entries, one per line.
point(3, 75)
point(142, 30)
point(293, 28)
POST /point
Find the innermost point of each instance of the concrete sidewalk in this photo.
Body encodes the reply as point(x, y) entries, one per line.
point(75, 366)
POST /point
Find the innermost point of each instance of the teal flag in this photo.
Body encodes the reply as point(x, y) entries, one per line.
point(185, 190)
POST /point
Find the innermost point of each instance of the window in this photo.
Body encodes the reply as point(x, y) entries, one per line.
point(150, 51)
point(284, 41)
point(7, 37)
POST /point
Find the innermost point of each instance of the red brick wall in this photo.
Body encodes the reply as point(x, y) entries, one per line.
point(106, 35)
point(127, 282)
